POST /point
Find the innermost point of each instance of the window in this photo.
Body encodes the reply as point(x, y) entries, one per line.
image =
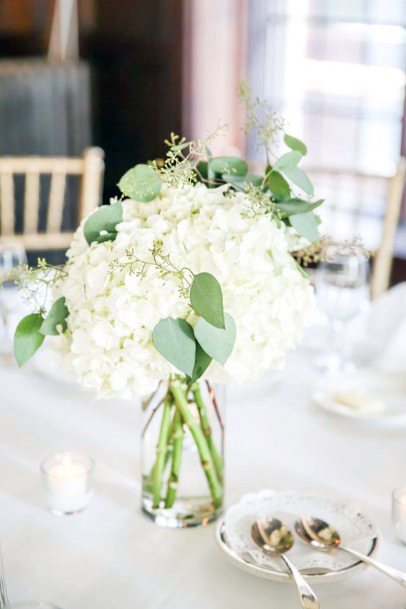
point(336, 71)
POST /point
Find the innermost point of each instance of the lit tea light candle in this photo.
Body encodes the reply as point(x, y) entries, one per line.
point(399, 512)
point(68, 481)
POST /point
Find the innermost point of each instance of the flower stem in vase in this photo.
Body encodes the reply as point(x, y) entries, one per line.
point(179, 394)
point(161, 453)
point(206, 427)
point(177, 446)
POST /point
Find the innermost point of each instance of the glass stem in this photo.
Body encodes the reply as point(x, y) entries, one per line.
point(161, 453)
point(4, 604)
point(179, 394)
point(206, 427)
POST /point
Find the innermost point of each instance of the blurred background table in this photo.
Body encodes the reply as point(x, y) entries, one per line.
point(110, 555)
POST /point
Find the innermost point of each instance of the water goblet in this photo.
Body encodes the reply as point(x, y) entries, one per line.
point(342, 291)
point(12, 255)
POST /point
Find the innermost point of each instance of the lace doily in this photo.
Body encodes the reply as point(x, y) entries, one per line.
point(355, 528)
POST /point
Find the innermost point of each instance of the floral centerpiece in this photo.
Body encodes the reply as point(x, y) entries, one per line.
point(185, 281)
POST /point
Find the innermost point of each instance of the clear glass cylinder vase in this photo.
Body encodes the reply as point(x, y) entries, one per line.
point(183, 453)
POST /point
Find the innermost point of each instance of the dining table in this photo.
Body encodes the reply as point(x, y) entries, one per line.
point(111, 556)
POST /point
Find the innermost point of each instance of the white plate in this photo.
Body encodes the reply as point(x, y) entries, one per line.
point(357, 530)
point(390, 388)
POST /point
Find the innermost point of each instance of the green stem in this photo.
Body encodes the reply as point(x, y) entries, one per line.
point(180, 398)
point(177, 447)
point(161, 452)
point(205, 423)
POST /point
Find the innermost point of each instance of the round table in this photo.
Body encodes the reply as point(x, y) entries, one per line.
point(111, 557)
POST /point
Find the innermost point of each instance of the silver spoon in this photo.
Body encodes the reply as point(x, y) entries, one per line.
point(274, 538)
point(322, 536)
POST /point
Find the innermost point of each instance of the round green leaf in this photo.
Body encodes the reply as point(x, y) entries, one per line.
point(214, 341)
point(295, 144)
point(141, 183)
point(57, 315)
point(306, 224)
point(201, 169)
point(27, 337)
point(202, 362)
point(287, 161)
point(242, 182)
point(300, 178)
point(206, 299)
point(229, 165)
point(297, 206)
point(174, 339)
point(101, 225)
point(278, 185)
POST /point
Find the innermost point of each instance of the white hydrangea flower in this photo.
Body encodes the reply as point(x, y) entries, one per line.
point(111, 316)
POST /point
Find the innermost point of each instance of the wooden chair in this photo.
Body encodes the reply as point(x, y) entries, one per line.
point(89, 168)
point(391, 190)
point(382, 265)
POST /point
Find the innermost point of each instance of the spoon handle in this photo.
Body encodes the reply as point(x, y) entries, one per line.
point(307, 596)
point(394, 574)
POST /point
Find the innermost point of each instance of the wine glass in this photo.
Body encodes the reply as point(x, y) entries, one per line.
point(342, 289)
point(12, 254)
point(4, 601)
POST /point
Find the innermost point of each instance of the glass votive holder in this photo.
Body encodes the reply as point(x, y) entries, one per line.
point(399, 512)
point(68, 482)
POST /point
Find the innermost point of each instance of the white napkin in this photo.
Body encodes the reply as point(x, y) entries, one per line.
point(386, 330)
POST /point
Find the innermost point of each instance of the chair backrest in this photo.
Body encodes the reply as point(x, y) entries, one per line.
point(365, 206)
point(383, 259)
point(89, 169)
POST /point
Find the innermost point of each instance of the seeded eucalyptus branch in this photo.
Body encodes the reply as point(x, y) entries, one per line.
point(135, 265)
point(282, 192)
point(35, 282)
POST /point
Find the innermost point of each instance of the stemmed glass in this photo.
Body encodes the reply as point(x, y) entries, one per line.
point(11, 256)
point(4, 602)
point(342, 291)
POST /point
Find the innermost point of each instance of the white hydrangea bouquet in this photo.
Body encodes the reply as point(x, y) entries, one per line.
point(186, 280)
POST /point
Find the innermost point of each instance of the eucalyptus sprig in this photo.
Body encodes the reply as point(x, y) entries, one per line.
point(159, 260)
point(189, 348)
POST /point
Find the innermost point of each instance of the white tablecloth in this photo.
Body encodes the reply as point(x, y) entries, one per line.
point(112, 557)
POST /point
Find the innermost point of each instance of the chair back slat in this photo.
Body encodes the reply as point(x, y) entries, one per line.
point(6, 203)
point(89, 169)
point(382, 267)
point(31, 203)
point(56, 201)
point(91, 186)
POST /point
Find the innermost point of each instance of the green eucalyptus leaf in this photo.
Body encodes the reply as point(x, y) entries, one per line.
point(301, 269)
point(141, 183)
point(56, 316)
point(174, 339)
point(229, 165)
point(287, 161)
point(101, 225)
point(306, 225)
point(206, 299)
point(297, 206)
point(242, 182)
point(278, 185)
point(202, 169)
point(202, 362)
point(300, 178)
point(214, 341)
point(28, 337)
point(294, 144)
